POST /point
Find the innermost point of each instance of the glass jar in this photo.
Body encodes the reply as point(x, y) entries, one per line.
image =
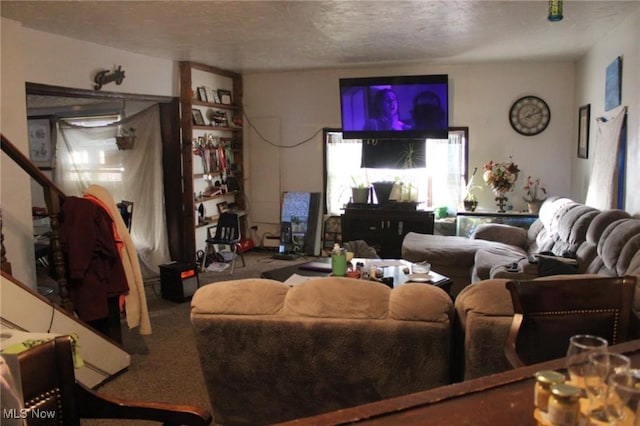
point(542, 390)
point(564, 405)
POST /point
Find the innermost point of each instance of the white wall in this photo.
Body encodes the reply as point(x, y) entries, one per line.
point(63, 61)
point(14, 189)
point(590, 89)
point(480, 97)
point(34, 56)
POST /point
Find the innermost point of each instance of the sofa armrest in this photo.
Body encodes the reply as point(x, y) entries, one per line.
point(507, 234)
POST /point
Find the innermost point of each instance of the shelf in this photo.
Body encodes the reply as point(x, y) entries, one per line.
point(234, 173)
point(212, 105)
point(203, 199)
point(225, 129)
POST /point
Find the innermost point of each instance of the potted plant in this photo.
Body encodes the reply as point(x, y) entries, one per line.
point(470, 200)
point(359, 192)
point(126, 139)
point(532, 197)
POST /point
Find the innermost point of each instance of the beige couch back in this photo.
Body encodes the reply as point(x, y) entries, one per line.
point(270, 352)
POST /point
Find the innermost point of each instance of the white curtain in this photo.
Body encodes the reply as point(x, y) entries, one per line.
point(445, 171)
point(89, 156)
point(603, 184)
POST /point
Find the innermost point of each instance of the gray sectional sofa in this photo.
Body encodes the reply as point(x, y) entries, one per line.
point(564, 227)
point(602, 243)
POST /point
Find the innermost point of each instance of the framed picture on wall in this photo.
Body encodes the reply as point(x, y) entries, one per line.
point(583, 131)
point(223, 207)
point(198, 119)
point(202, 94)
point(212, 94)
point(42, 141)
point(225, 96)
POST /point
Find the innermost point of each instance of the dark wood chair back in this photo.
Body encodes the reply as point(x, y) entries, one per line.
point(548, 312)
point(53, 397)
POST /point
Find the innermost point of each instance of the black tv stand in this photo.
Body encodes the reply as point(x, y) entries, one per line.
point(384, 228)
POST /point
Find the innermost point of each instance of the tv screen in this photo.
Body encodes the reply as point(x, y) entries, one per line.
point(402, 107)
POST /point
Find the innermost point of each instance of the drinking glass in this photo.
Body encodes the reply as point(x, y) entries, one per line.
point(600, 367)
point(580, 346)
point(623, 399)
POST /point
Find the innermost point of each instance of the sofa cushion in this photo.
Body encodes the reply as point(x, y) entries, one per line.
point(506, 234)
point(440, 249)
point(572, 229)
point(420, 302)
point(600, 223)
point(338, 297)
point(619, 243)
point(230, 297)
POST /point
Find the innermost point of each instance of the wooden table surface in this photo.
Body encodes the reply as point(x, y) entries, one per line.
point(496, 400)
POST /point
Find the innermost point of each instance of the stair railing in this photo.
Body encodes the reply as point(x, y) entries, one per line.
point(53, 196)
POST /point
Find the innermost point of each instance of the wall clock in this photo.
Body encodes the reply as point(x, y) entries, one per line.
point(529, 115)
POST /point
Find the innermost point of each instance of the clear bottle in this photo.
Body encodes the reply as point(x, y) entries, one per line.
point(542, 389)
point(564, 405)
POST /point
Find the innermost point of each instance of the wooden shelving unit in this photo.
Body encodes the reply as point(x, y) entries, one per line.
point(194, 76)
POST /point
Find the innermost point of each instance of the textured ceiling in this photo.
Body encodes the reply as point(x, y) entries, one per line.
point(249, 36)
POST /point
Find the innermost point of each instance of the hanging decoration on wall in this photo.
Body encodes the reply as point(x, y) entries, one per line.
point(126, 139)
point(613, 85)
point(105, 76)
point(555, 10)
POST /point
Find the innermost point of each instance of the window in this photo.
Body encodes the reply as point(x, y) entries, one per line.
point(440, 183)
point(94, 156)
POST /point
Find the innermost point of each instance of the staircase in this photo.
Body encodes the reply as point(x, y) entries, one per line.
point(24, 310)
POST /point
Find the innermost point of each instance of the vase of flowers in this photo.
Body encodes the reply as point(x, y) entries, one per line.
point(501, 177)
point(535, 194)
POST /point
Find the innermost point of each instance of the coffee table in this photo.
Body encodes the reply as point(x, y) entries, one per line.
point(394, 268)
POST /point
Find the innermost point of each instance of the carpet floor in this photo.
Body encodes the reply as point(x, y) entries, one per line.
point(164, 365)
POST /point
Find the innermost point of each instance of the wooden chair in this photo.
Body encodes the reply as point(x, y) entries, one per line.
point(49, 386)
point(548, 312)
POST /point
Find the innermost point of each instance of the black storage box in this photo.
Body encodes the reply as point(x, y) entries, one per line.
point(178, 281)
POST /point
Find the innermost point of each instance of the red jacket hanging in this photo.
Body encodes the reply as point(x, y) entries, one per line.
point(94, 267)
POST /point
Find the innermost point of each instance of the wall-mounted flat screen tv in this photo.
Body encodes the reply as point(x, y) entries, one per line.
point(401, 107)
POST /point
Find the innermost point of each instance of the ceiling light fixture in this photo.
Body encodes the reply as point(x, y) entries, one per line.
point(555, 10)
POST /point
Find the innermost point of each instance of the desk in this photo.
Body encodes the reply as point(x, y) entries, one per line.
point(500, 399)
point(467, 222)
